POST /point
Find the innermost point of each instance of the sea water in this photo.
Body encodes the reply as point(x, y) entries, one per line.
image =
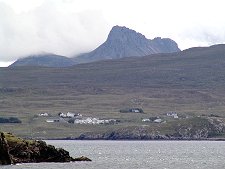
point(138, 155)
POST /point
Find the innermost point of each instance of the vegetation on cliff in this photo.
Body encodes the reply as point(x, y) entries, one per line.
point(17, 150)
point(196, 128)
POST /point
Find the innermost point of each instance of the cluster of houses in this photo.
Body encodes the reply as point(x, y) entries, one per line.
point(70, 115)
point(94, 121)
point(76, 118)
point(159, 120)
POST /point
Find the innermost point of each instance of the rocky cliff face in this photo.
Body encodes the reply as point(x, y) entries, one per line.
point(5, 158)
point(16, 150)
point(124, 42)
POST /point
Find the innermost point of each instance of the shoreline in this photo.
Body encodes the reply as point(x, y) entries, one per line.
point(76, 139)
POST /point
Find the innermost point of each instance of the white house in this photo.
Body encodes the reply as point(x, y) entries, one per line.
point(43, 114)
point(135, 111)
point(69, 114)
point(175, 116)
point(158, 120)
point(52, 120)
point(62, 115)
point(172, 114)
point(146, 120)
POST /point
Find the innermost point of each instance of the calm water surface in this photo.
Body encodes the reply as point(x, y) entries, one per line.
point(139, 155)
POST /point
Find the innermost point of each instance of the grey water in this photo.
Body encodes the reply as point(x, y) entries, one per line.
point(138, 155)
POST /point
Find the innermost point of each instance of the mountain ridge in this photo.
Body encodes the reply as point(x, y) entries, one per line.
point(125, 42)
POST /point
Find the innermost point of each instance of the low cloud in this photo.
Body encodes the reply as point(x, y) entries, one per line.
point(48, 28)
point(202, 36)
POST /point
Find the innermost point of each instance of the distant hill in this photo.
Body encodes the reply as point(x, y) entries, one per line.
point(124, 42)
point(45, 60)
point(192, 68)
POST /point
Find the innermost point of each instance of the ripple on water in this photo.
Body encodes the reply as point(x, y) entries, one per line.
point(139, 154)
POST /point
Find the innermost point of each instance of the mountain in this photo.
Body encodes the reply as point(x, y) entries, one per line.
point(45, 60)
point(124, 42)
point(121, 42)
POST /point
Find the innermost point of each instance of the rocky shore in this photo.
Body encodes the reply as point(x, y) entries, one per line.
point(190, 129)
point(16, 150)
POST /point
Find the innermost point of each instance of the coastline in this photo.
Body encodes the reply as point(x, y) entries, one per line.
point(77, 139)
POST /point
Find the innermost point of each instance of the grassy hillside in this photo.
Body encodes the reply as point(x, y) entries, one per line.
point(189, 82)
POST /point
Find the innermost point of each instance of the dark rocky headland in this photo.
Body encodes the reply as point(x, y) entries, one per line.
point(16, 150)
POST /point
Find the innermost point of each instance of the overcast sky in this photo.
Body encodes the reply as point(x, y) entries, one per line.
point(69, 27)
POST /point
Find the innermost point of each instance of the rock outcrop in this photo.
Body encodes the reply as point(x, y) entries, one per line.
point(5, 158)
point(137, 133)
point(16, 150)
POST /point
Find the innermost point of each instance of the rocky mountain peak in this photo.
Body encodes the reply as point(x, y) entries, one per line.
point(123, 33)
point(125, 42)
